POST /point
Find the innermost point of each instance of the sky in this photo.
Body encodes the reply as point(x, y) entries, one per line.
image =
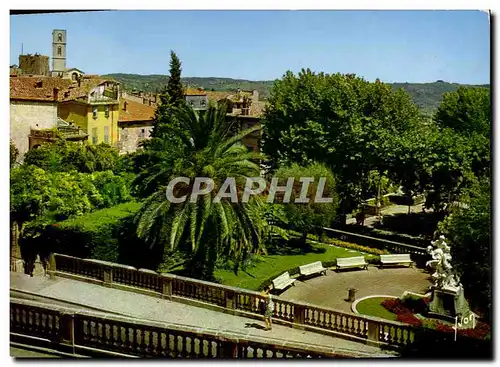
point(394, 46)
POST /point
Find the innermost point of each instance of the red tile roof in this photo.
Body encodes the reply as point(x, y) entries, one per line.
point(135, 111)
point(41, 88)
point(194, 92)
point(217, 95)
point(37, 88)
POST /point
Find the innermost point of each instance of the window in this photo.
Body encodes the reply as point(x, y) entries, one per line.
point(106, 134)
point(94, 135)
point(59, 50)
point(94, 112)
point(142, 134)
point(59, 37)
point(191, 103)
point(203, 102)
point(107, 112)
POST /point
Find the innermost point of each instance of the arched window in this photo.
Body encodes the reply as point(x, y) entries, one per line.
point(59, 37)
point(59, 50)
point(74, 76)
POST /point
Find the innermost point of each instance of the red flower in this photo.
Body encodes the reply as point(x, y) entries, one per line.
point(394, 305)
point(410, 318)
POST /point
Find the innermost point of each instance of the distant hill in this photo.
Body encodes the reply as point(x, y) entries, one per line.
point(426, 95)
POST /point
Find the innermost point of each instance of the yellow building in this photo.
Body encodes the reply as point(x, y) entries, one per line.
point(92, 104)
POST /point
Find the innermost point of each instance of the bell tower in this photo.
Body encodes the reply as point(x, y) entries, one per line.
point(58, 51)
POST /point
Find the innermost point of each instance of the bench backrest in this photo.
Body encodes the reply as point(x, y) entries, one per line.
point(311, 266)
point(395, 257)
point(283, 278)
point(351, 260)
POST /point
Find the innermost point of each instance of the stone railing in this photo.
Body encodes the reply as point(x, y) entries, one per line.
point(418, 254)
point(94, 334)
point(369, 330)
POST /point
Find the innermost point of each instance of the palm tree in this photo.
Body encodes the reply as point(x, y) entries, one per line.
point(206, 229)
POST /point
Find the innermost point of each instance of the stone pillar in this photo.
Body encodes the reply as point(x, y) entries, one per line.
point(167, 286)
point(230, 299)
point(299, 314)
point(67, 328)
point(373, 330)
point(228, 349)
point(51, 266)
point(108, 276)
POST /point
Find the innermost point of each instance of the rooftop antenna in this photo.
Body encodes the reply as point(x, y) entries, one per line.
point(22, 48)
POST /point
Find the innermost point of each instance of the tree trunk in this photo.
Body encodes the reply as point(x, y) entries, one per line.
point(303, 239)
point(15, 250)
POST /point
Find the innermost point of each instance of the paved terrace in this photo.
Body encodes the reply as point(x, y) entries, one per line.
point(82, 295)
point(331, 290)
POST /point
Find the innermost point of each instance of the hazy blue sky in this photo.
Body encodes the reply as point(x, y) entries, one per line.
point(395, 46)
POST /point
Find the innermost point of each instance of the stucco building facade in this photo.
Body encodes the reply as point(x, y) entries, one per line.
point(135, 124)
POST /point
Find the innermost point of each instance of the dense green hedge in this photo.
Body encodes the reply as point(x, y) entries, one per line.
point(95, 235)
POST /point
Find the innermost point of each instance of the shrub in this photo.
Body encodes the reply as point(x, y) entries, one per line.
point(416, 304)
point(93, 235)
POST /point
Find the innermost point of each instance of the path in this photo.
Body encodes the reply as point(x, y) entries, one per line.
point(387, 211)
point(152, 308)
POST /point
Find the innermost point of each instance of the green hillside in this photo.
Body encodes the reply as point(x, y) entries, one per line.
point(426, 95)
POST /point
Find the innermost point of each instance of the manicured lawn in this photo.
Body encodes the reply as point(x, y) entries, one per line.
point(373, 307)
point(271, 266)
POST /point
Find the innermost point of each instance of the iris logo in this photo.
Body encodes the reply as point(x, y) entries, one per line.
point(465, 321)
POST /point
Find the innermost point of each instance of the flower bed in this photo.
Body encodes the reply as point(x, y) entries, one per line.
point(406, 309)
point(339, 243)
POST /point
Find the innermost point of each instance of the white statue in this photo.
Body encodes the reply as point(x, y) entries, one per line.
point(443, 276)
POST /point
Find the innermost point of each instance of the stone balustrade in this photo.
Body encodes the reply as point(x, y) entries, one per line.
point(94, 334)
point(370, 330)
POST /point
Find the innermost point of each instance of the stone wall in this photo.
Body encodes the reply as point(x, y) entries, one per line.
point(132, 135)
point(34, 64)
point(27, 115)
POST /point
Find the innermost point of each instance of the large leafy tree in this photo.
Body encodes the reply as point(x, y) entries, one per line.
point(39, 198)
point(340, 120)
point(29, 195)
point(467, 111)
point(309, 217)
point(469, 230)
point(205, 229)
point(65, 156)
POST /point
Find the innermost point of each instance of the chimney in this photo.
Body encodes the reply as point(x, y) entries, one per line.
point(255, 95)
point(125, 106)
point(56, 94)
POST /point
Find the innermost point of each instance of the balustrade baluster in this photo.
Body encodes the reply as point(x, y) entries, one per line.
point(306, 316)
point(329, 324)
point(142, 345)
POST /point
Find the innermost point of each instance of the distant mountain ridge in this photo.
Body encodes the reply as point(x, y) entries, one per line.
point(426, 95)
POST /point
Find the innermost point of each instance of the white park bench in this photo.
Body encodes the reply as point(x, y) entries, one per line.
point(283, 281)
point(351, 262)
point(395, 259)
point(312, 268)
